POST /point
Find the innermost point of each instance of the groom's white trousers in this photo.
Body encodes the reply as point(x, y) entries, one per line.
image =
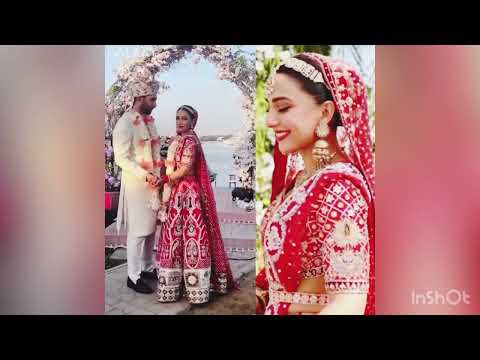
point(140, 255)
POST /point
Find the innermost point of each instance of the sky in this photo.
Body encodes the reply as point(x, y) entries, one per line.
point(218, 102)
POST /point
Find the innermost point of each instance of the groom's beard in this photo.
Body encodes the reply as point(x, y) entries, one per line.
point(146, 110)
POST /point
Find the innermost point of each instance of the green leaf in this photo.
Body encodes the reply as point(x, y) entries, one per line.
point(114, 89)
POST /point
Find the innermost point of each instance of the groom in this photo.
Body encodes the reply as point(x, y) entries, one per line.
point(136, 152)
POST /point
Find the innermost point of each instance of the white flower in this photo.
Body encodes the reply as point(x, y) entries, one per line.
point(160, 59)
point(123, 72)
point(143, 74)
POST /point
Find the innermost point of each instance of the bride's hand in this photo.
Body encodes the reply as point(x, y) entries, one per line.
point(261, 301)
point(259, 306)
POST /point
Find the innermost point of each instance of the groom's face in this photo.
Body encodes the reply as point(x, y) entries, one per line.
point(148, 104)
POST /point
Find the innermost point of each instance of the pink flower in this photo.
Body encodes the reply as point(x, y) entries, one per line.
point(148, 119)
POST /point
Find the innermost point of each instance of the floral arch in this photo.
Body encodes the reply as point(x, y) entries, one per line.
point(231, 65)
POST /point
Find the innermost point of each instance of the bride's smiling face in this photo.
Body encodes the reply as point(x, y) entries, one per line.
point(293, 114)
point(184, 122)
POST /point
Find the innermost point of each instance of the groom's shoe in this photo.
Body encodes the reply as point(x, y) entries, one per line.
point(149, 275)
point(139, 287)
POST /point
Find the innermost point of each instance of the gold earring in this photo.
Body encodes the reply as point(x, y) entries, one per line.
point(321, 151)
point(322, 130)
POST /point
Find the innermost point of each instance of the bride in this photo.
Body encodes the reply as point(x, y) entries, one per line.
point(191, 253)
point(318, 233)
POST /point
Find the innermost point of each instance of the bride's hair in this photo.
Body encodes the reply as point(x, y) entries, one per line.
point(190, 110)
point(317, 90)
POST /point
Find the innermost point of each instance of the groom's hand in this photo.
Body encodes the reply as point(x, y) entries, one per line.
point(153, 181)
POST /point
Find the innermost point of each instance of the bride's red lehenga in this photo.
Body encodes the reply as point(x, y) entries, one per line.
point(191, 251)
point(326, 226)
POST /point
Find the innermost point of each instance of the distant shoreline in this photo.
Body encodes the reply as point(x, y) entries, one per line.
point(215, 137)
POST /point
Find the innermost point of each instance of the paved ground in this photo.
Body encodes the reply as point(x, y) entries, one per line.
point(239, 302)
point(120, 300)
point(238, 232)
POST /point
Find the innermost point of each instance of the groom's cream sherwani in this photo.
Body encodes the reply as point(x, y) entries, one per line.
point(136, 147)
